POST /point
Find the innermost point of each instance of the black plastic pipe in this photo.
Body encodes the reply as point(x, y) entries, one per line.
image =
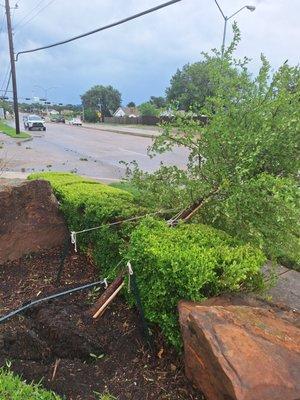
point(52, 296)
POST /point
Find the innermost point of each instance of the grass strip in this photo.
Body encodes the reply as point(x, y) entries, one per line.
point(8, 130)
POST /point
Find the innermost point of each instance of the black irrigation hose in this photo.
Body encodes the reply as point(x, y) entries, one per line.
point(30, 303)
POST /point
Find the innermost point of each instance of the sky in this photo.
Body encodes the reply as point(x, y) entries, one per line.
point(139, 57)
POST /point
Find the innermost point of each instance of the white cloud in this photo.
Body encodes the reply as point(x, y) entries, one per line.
point(140, 56)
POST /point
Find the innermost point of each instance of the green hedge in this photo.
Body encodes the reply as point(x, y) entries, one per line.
point(87, 203)
point(13, 388)
point(188, 262)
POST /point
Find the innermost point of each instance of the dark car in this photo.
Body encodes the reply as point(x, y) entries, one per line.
point(57, 119)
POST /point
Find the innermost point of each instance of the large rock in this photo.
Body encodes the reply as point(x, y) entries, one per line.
point(240, 352)
point(29, 218)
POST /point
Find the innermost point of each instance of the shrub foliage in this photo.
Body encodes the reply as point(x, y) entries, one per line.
point(188, 262)
point(243, 165)
point(86, 204)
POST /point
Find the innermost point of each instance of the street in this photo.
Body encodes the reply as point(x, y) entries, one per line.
point(88, 152)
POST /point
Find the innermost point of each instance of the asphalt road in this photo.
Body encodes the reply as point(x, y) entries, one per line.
point(85, 151)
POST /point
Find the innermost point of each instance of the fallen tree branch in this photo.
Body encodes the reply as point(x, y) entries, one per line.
point(189, 212)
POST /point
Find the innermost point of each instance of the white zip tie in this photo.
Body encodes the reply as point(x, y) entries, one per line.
point(105, 283)
point(74, 240)
point(130, 272)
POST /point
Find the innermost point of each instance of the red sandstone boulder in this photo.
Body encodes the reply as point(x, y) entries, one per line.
point(240, 352)
point(29, 218)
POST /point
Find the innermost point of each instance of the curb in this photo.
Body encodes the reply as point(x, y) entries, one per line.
point(147, 135)
point(18, 140)
point(24, 140)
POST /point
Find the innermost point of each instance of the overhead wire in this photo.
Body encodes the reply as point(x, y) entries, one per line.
point(35, 15)
point(5, 76)
point(7, 85)
point(2, 23)
point(105, 27)
point(7, 69)
point(29, 13)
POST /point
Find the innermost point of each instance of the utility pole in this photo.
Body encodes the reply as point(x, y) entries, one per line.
point(12, 66)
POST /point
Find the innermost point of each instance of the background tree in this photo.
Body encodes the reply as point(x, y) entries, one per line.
point(7, 107)
point(90, 115)
point(158, 102)
point(243, 165)
point(131, 104)
point(102, 98)
point(190, 86)
point(148, 109)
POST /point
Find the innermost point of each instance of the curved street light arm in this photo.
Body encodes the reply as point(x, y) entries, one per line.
point(236, 12)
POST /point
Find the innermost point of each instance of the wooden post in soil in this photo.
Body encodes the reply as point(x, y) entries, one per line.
point(107, 297)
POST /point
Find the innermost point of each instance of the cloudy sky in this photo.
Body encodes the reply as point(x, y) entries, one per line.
point(139, 57)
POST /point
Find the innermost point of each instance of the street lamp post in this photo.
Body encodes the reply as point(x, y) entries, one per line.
point(226, 19)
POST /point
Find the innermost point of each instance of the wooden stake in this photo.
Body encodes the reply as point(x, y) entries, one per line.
point(109, 300)
point(106, 295)
point(57, 361)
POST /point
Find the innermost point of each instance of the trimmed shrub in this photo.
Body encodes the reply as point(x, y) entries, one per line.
point(13, 388)
point(86, 204)
point(188, 262)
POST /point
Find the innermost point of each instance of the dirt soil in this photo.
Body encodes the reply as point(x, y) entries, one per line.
point(88, 357)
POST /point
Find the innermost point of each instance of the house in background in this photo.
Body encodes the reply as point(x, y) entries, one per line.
point(131, 112)
point(53, 112)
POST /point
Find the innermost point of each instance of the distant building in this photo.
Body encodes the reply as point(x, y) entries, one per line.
point(131, 112)
point(53, 112)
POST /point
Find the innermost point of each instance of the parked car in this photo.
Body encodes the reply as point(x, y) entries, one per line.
point(75, 121)
point(57, 119)
point(34, 122)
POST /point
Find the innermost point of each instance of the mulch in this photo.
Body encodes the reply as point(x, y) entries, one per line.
point(89, 357)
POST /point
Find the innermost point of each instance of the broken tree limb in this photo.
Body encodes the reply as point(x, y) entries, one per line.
point(106, 295)
point(108, 301)
point(189, 212)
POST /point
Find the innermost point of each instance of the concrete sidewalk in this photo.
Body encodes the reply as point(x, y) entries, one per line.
point(150, 132)
point(287, 288)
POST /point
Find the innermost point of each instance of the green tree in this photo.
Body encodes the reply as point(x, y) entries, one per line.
point(90, 115)
point(158, 102)
point(131, 104)
point(243, 165)
point(102, 98)
point(190, 86)
point(148, 109)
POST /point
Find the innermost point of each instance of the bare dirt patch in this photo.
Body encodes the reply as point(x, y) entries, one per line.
point(91, 356)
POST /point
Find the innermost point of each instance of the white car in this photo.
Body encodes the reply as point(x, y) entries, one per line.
point(34, 122)
point(75, 121)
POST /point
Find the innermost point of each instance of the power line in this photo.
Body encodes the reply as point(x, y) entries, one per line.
point(122, 21)
point(5, 76)
point(2, 23)
point(7, 85)
point(29, 13)
point(35, 15)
